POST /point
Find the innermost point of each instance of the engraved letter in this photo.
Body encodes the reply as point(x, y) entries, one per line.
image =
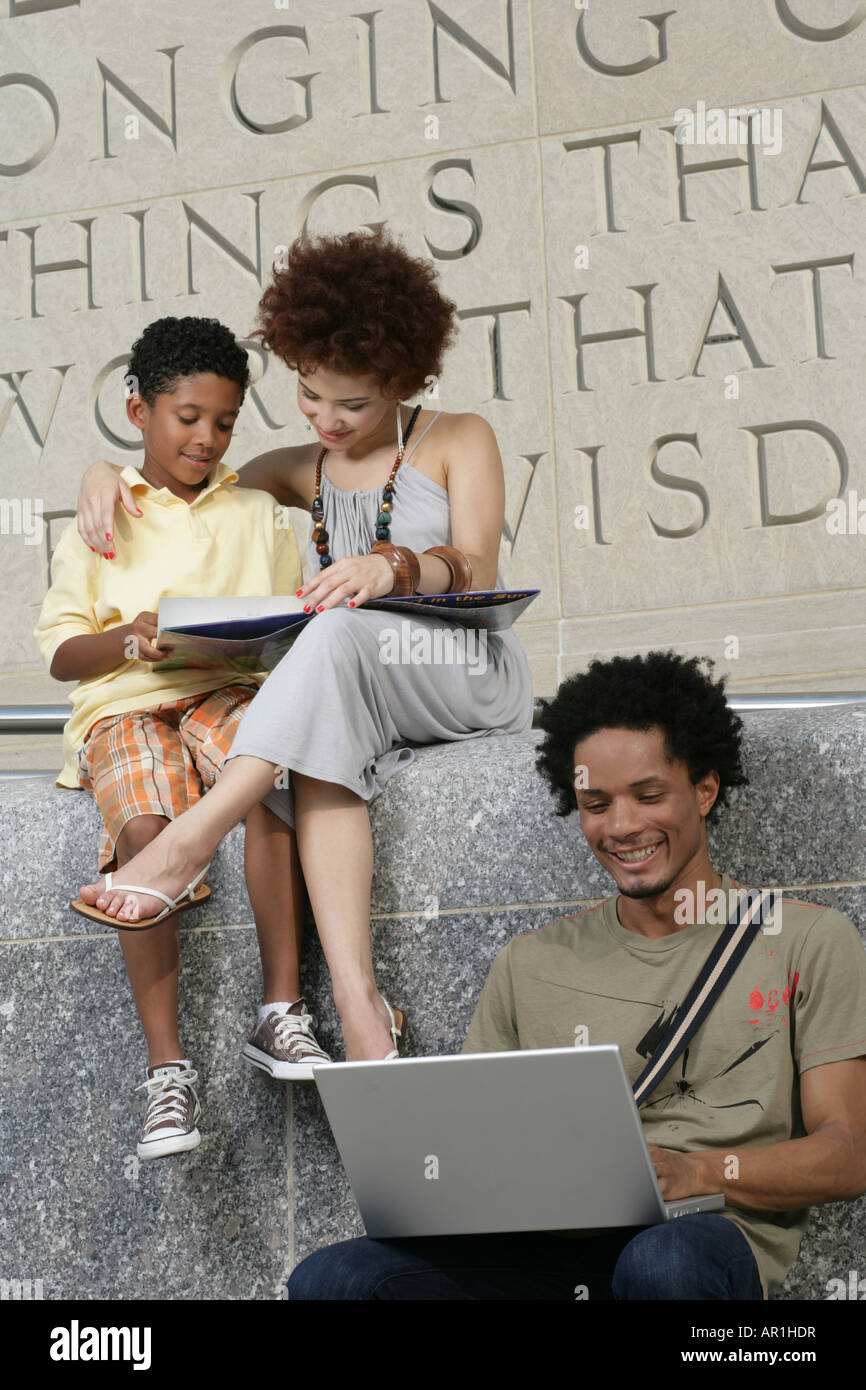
point(252, 267)
point(166, 128)
point(605, 183)
point(49, 267)
point(230, 80)
point(23, 79)
point(614, 335)
point(724, 301)
point(847, 160)
point(493, 313)
point(481, 54)
point(452, 204)
point(627, 69)
point(760, 432)
point(678, 484)
point(817, 304)
point(810, 31)
point(706, 166)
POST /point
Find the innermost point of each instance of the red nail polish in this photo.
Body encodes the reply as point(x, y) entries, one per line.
point(351, 603)
point(298, 593)
point(321, 608)
point(306, 608)
point(108, 535)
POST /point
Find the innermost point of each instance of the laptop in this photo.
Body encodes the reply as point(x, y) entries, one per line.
point(537, 1140)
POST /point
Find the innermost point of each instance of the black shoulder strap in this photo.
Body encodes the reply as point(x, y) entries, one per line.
point(752, 909)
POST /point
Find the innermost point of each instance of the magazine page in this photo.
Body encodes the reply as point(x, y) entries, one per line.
point(254, 634)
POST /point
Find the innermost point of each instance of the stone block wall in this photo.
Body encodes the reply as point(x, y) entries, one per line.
point(266, 1186)
point(661, 318)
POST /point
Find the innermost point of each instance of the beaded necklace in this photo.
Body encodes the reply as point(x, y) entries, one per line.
point(383, 520)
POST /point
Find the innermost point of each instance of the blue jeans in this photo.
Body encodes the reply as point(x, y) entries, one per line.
point(704, 1256)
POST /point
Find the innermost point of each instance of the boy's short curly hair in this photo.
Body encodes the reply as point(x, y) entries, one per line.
point(171, 348)
point(360, 305)
point(660, 690)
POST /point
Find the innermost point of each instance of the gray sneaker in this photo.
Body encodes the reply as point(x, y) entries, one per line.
point(285, 1046)
point(173, 1111)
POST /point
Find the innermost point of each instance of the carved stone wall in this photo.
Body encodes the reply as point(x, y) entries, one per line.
point(661, 301)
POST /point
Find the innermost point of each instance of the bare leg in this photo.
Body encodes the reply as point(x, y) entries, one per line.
point(185, 846)
point(275, 886)
point(152, 957)
point(330, 818)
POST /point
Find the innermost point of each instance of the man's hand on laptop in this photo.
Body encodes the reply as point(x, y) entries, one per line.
point(677, 1174)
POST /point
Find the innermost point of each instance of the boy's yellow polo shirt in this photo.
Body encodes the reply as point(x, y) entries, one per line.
point(229, 540)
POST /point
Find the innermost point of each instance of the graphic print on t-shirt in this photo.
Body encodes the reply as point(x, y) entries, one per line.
point(683, 1089)
point(682, 1086)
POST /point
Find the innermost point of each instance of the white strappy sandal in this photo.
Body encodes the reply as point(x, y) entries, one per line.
point(397, 1031)
point(195, 892)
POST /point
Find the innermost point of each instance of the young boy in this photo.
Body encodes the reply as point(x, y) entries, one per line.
point(146, 743)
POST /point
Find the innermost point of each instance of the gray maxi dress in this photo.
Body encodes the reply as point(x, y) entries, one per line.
point(334, 709)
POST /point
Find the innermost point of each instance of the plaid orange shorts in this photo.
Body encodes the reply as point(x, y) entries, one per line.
point(160, 761)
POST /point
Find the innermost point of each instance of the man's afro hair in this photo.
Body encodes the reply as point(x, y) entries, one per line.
point(660, 690)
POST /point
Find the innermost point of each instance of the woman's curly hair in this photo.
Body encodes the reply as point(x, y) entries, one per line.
point(171, 348)
point(360, 305)
point(660, 690)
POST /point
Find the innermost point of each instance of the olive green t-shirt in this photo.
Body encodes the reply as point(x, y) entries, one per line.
point(797, 1000)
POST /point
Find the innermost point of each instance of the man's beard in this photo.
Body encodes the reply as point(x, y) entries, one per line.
point(650, 890)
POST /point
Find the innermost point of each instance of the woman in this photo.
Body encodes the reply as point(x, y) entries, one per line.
point(364, 324)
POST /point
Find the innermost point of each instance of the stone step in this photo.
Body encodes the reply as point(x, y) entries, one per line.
point(468, 853)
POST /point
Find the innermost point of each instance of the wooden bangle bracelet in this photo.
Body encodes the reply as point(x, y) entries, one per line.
point(461, 570)
point(404, 563)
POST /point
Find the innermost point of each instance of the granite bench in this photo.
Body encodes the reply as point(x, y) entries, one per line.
point(468, 853)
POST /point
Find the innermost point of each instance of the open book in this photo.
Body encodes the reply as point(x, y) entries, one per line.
point(254, 634)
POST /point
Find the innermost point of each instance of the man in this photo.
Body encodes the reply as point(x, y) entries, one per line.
point(768, 1102)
